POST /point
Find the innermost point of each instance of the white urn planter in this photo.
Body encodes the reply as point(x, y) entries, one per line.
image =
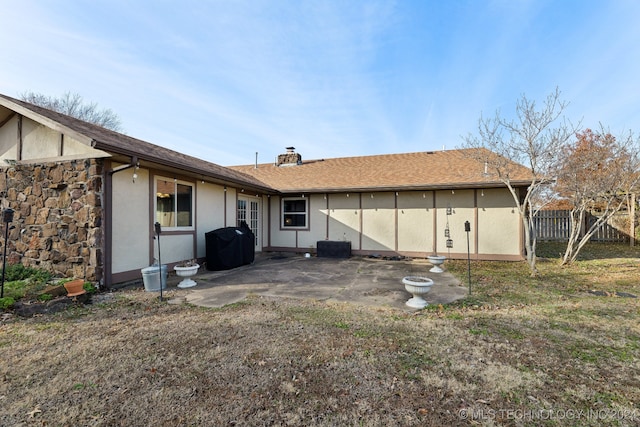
point(436, 261)
point(186, 272)
point(418, 287)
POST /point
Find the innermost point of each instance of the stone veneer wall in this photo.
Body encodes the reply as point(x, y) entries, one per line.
point(58, 217)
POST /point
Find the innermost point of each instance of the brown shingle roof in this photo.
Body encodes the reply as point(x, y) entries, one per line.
point(120, 144)
point(419, 171)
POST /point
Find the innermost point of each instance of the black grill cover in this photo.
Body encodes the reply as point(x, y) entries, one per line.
point(229, 247)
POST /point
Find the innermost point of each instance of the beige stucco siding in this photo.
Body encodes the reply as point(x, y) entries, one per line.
point(410, 222)
point(461, 203)
point(131, 229)
point(9, 139)
point(344, 218)
point(174, 248)
point(231, 207)
point(209, 212)
point(132, 239)
point(317, 223)
point(280, 238)
point(284, 238)
point(264, 222)
point(130, 221)
point(496, 215)
point(415, 221)
point(378, 221)
point(39, 141)
point(73, 147)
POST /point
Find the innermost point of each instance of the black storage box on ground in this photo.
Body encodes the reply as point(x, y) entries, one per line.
point(333, 249)
point(229, 247)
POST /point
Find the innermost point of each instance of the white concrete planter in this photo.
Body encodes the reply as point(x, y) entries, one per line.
point(436, 261)
point(417, 286)
point(186, 272)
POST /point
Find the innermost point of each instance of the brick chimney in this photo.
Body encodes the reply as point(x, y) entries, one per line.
point(290, 158)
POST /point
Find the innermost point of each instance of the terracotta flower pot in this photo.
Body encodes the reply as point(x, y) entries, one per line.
point(74, 287)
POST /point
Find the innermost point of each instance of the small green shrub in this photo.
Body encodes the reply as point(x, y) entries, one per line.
point(15, 289)
point(15, 272)
point(45, 297)
point(6, 302)
point(90, 288)
point(24, 282)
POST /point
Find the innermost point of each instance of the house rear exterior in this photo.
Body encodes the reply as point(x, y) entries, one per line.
point(86, 198)
point(411, 204)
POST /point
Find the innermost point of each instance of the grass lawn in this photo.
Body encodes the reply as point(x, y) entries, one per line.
point(559, 349)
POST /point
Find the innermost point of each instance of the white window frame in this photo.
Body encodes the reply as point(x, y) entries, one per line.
point(176, 182)
point(283, 214)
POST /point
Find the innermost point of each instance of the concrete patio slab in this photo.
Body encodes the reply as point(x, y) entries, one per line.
point(356, 280)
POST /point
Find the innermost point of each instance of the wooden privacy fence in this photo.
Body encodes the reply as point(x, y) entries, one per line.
point(556, 225)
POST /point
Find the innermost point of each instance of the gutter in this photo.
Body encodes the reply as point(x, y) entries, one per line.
point(459, 186)
point(134, 163)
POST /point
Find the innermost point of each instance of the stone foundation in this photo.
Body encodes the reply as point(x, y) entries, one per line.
point(57, 224)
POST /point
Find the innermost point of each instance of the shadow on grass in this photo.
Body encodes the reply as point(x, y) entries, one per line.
point(610, 268)
point(591, 251)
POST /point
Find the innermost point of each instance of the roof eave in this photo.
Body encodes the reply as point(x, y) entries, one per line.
point(425, 187)
point(180, 166)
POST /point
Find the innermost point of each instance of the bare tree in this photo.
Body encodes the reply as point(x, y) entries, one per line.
point(73, 105)
point(598, 172)
point(533, 139)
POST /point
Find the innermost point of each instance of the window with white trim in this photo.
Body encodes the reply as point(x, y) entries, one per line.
point(295, 213)
point(174, 203)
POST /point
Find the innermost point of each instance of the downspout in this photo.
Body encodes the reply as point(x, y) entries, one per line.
point(20, 140)
point(107, 242)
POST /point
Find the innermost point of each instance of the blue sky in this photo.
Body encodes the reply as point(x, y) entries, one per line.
point(222, 80)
